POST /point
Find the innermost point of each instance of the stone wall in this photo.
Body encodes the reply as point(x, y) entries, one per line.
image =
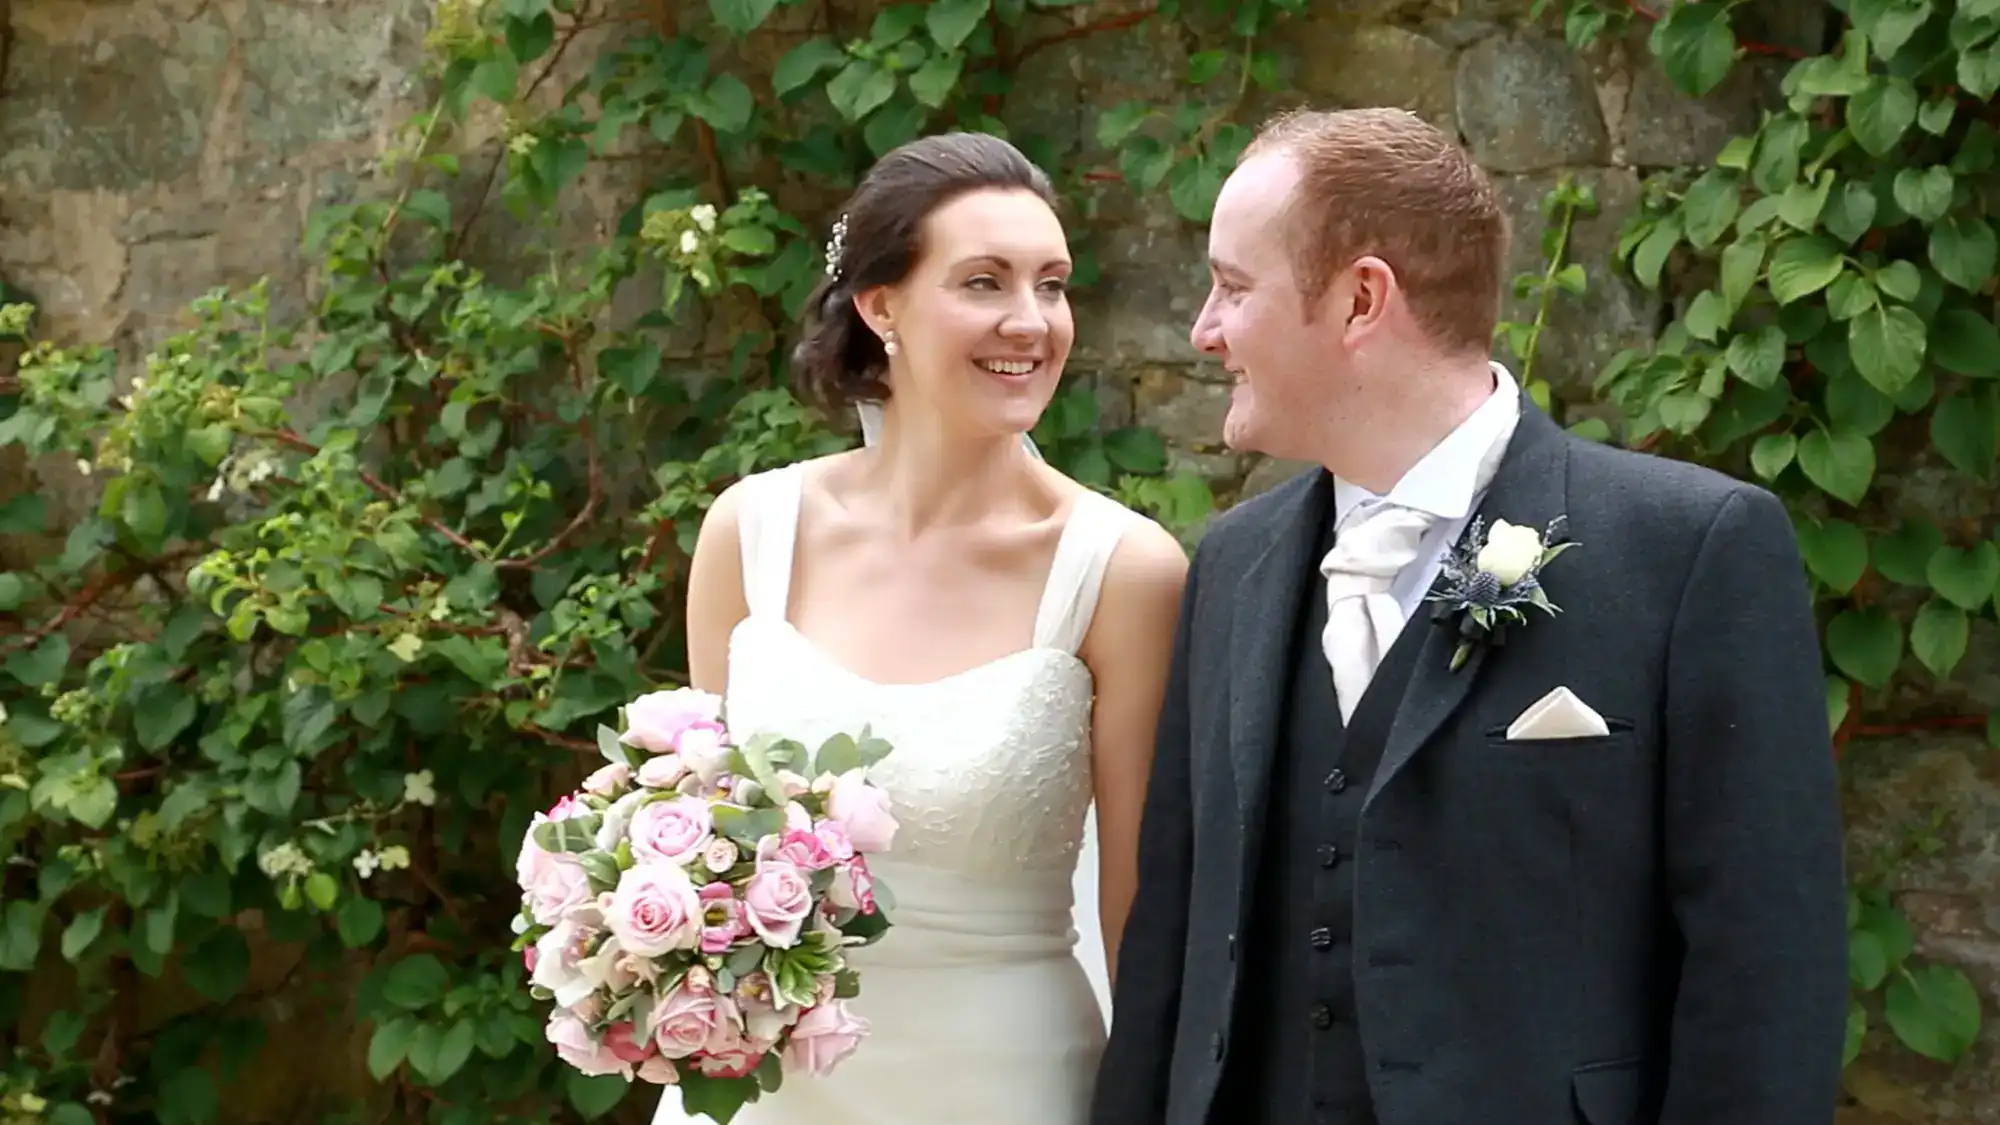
point(152, 149)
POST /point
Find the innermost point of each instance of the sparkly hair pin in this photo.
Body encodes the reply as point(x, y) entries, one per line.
point(836, 247)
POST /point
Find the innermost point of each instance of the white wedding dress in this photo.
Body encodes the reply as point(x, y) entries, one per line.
point(987, 998)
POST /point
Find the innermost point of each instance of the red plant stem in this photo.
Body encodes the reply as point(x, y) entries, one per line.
point(1750, 46)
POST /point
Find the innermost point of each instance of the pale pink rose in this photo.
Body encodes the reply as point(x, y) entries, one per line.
point(722, 922)
point(853, 887)
point(670, 831)
point(797, 819)
point(720, 854)
point(655, 720)
point(776, 901)
point(705, 750)
point(563, 809)
point(563, 961)
point(553, 885)
point(608, 779)
point(805, 850)
point(659, 1070)
point(663, 772)
point(863, 810)
point(576, 1046)
point(791, 785)
point(654, 910)
point(686, 1020)
point(824, 1037)
point(618, 1039)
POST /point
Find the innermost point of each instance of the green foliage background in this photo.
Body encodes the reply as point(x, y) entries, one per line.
point(279, 709)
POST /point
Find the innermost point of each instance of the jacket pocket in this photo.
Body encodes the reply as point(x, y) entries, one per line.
point(1608, 1093)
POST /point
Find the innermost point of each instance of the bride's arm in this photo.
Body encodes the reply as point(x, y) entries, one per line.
point(1128, 648)
point(715, 600)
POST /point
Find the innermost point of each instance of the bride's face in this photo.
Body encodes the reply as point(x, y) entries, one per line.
point(983, 320)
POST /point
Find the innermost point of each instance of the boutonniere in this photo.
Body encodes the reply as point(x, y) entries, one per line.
point(1490, 577)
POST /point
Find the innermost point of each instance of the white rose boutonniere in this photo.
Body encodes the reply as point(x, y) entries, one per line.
point(1490, 577)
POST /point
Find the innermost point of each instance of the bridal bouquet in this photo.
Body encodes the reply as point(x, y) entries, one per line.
point(689, 909)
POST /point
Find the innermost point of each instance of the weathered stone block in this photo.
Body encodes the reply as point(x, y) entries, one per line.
point(1346, 66)
point(1525, 104)
point(118, 114)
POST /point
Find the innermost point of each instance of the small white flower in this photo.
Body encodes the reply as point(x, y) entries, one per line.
point(704, 216)
point(1510, 552)
point(3, 712)
point(419, 788)
point(690, 242)
point(366, 863)
point(395, 857)
point(83, 466)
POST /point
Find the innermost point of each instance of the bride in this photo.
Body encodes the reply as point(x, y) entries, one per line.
point(1004, 628)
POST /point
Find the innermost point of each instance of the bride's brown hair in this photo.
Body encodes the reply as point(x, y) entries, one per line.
point(839, 361)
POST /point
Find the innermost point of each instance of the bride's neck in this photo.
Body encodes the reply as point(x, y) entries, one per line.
point(924, 477)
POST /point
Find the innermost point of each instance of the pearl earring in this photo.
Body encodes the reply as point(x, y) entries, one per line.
point(889, 342)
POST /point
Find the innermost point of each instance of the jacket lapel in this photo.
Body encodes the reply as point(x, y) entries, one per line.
point(1268, 600)
point(1529, 488)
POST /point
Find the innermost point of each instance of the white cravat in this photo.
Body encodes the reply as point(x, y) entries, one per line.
point(1363, 617)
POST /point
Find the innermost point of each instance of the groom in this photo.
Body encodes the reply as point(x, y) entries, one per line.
point(1593, 874)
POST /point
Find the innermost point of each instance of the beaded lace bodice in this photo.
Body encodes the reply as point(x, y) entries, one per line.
point(990, 772)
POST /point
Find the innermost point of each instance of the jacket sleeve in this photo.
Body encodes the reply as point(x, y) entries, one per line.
point(1753, 835)
point(1132, 1077)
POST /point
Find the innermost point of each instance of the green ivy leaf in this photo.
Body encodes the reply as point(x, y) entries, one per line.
point(1965, 427)
point(1192, 187)
point(1803, 266)
point(726, 105)
point(358, 921)
point(1938, 636)
point(1880, 114)
point(1965, 576)
point(1850, 212)
point(81, 932)
point(1866, 645)
point(1710, 205)
point(452, 1052)
point(804, 63)
point(1837, 693)
point(741, 17)
point(1890, 23)
point(951, 22)
point(1887, 343)
point(1772, 454)
point(595, 1096)
point(1801, 204)
point(1836, 551)
point(416, 982)
point(1966, 343)
point(1963, 250)
point(934, 81)
point(1904, 556)
point(1841, 465)
point(859, 89)
point(219, 966)
point(1934, 1010)
point(1758, 358)
point(187, 1097)
point(1695, 45)
point(1924, 193)
point(389, 1045)
point(1742, 260)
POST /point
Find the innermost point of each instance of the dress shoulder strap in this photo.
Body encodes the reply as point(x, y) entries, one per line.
point(1096, 526)
point(767, 523)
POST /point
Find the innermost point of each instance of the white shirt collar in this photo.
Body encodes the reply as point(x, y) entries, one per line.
point(1449, 479)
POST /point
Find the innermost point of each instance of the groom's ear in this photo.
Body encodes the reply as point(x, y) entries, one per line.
point(1362, 295)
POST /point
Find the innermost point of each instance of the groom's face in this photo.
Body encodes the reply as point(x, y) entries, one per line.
point(1287, 364)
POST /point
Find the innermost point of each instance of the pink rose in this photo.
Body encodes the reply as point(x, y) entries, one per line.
point(659, 1070)
point(804, 849)
point(663, 772)
point(687, 1019)
point(608, 779)
point(576, 1046)
point(824, 1037)
point(738, 1063)
point(863, 810)
point(655, 910)
point(670, 831)
point(776, 901)
point(853, 886)
point(757, 999)
point(654, 721)
point(552, 885)
point(834, 837)
point(618, 1039)
point(722, 921)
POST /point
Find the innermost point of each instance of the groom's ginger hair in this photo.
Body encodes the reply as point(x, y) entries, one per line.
point(1384, 182)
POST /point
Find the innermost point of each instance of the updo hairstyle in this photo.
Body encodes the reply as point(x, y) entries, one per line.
point(839, 362)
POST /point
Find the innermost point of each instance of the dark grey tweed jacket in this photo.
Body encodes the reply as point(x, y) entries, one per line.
point(1644, 928)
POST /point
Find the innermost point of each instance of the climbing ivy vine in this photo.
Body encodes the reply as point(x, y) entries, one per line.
point(1832, 276)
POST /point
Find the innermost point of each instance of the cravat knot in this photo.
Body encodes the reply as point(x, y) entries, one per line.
point(1363, 618)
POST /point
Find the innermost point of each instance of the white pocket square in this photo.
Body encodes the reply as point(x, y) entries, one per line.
point(1559, 714)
